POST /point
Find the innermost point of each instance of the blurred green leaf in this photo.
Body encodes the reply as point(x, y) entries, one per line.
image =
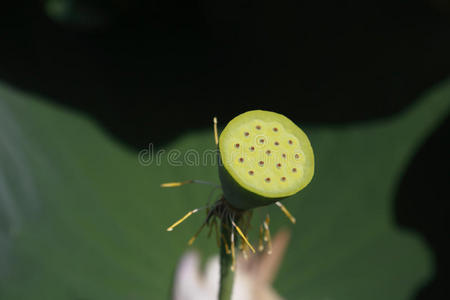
point(81, 218)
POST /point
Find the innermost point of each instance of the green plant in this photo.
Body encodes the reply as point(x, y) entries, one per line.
point(264, 157)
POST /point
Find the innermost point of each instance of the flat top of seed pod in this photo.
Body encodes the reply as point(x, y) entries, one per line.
point(267, 154)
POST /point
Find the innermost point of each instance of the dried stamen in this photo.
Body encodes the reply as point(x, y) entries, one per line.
point(216, 136)
point(227, 250)
point(261, 236)
point(233, 255)
point(243, 236)
point(175, 184)
point(182, 219)
point(285, 211)
point(267, 235)
point(192, 239)
point(180, 183)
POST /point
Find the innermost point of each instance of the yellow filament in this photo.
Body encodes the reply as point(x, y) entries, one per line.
point(266, 227)
point(261, 242)
point(267, 235)
point(285, 211)
point(233, 255)
point(227, 250)
point(192, 239)
point(243, 236)
point(182, 219)
point(175, 184)
point(216, 136)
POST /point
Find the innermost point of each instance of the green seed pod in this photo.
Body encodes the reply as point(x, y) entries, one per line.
point(264, 158)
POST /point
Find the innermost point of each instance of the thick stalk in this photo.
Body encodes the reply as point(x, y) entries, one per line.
point(226, 261)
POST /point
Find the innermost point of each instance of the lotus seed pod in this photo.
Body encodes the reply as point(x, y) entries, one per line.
point(264, 158)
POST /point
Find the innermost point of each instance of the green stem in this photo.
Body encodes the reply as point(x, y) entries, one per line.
point(226, 275)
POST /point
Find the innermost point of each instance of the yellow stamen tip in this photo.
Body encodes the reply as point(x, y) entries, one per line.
point(175, 184)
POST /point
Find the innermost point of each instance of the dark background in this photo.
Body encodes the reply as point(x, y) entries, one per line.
point(148, 71)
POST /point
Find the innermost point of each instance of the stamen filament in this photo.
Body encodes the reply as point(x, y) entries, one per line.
point(286, 212)
point(243, 236)
point(180, 183)
point(182, 219)
point(227, 250)
point(233, 255)
point(261, 242)
point(175, 184)
point(267, 235)
point(216, 136)
point(192, 239)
